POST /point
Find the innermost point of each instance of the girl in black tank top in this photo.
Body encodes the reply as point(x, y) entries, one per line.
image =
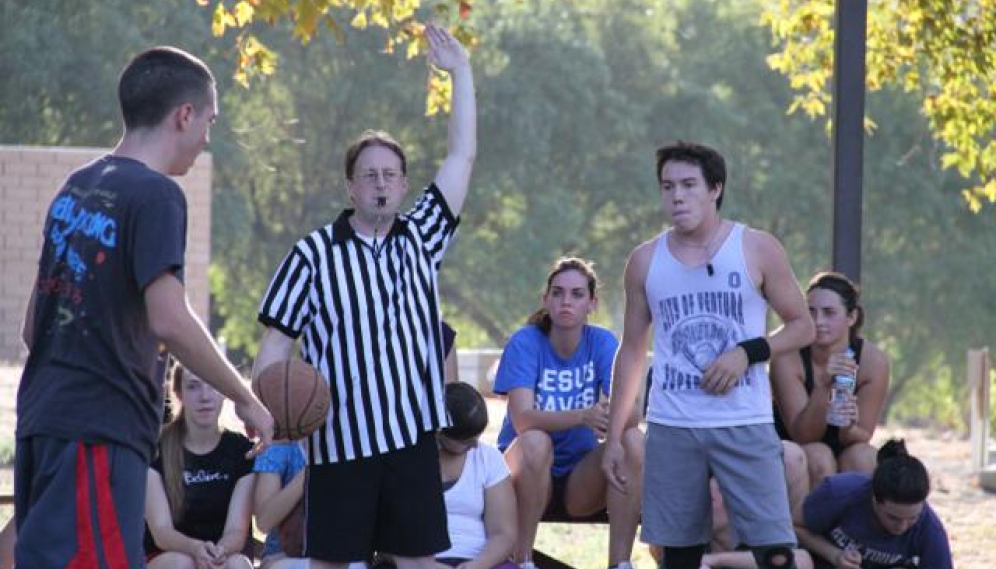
point(801, 383)
point(831, 437)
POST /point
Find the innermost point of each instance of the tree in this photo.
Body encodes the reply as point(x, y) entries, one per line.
point(944, 51)
point(574, 98)
point(399, 19)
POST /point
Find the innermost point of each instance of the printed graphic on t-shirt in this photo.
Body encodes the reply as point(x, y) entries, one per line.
point(202, 476)
point(81, 232)
point(699, 327)
point(871, 557)
point(561, 389)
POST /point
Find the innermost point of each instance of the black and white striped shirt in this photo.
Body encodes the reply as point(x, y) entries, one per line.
point(370, 323)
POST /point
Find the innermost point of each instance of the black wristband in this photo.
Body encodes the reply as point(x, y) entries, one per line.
point(757, 349)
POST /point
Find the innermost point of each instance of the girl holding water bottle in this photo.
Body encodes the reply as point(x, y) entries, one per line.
point(803, 383)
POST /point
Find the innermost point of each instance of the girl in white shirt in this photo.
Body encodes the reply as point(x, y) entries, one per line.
point(480, 498)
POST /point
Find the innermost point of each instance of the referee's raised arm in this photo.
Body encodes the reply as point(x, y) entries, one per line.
point(453, 177)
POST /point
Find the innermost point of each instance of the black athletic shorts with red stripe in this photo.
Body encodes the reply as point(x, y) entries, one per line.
point(78, 505)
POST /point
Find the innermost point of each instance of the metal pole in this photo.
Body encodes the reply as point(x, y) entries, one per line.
point(848, 134)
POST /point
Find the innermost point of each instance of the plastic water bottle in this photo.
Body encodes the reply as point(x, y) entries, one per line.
point(840, 393)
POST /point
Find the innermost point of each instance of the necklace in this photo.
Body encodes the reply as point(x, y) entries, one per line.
point(706, 248)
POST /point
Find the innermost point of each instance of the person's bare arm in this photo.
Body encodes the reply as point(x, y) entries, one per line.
point(274, 347)
point(499, 526)
point(525, 416)
point(238, 522)
point(781, 289)
point(273, 503)
point(821, 546)
point(804, 414)
point(160, 522)
point(175, 324)
point(630, 363)
point(453, 177)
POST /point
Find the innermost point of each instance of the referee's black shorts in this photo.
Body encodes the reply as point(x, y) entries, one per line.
point(389, 503)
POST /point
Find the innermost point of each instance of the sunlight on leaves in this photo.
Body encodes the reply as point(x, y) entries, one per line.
point(945, 50)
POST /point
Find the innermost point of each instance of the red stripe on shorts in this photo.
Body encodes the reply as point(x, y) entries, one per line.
point(86, 553)
point(107, 517)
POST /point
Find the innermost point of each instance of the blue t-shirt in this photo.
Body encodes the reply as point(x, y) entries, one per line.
point(285, 459)
point(840, 509)
point(558, 384)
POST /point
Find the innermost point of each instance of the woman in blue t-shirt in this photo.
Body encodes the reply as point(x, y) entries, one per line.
point(199, 492)
point(880, 521)
point(556, 372)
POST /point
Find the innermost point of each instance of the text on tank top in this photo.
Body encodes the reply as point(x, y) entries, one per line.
point(697, 316)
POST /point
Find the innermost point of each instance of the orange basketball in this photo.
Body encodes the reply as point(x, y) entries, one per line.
point(297, 396)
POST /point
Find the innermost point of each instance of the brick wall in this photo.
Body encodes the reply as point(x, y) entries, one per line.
point(29, 177)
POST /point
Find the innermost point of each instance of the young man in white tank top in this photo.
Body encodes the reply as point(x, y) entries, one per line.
point(704, 287)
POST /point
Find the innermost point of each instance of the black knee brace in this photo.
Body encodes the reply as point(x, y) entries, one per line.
point(683, 557)
point(777, 556)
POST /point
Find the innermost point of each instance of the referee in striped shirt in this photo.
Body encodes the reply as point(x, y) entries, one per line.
point(361, 296)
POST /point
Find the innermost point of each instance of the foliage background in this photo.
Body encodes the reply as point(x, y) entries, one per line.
point(574, 97)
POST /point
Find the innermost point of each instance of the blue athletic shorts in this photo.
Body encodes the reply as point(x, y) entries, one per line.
point(78, 505)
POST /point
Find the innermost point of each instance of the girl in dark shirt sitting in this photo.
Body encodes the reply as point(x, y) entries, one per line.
point(199, 491)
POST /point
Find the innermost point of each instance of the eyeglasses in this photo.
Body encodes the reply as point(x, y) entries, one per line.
point(370, 177)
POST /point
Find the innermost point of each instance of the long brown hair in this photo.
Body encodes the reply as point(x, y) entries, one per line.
point(171, 440)
point(541, 318)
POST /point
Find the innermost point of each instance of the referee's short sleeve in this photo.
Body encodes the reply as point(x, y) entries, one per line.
point(435, 222)
point(285, 305)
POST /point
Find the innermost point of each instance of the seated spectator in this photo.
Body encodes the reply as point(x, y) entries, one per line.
point(480, 498)
point(199, 490)
point(556, 373)
point(855, 520)
point(280, 476)
point(802, 383)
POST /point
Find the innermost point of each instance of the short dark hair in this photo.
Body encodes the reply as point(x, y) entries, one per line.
point(899, 477)
point(158, 80)
point(373, 138)
point(849, 293)
point(709, 160)
point(468, 411)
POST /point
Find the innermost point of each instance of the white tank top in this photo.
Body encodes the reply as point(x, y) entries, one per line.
point(697, 317)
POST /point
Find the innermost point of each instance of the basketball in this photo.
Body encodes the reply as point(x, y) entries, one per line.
point(297, 396)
